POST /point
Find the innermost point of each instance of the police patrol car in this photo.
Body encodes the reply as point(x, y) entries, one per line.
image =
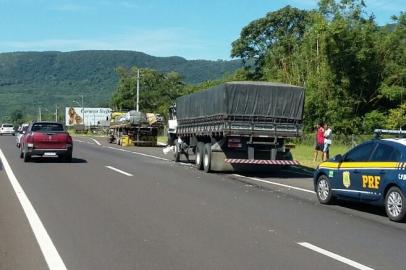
point(373, 172)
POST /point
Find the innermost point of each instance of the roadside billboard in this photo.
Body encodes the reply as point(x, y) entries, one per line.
point(91, 116)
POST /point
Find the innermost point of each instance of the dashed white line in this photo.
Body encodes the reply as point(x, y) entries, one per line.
point(96, 141)
point(137, 153)
point(275, 183)
point(335, 256)
point(146, 155)
point(48, 249)
point(119, 171)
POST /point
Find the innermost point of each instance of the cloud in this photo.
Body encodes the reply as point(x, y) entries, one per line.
point(157, 42)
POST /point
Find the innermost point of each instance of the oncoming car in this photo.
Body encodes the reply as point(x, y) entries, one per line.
point(7, 129)
point(373, 172)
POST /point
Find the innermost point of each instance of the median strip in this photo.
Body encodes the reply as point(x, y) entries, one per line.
point(335, 256)
point(119, 171)
point(48, 249)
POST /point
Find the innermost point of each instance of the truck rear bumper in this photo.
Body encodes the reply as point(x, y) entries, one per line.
point(49, 152)
point(262, 162)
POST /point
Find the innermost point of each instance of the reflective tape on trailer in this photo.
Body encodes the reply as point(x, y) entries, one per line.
point(262, 162)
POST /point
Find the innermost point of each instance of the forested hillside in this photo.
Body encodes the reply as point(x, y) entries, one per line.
point(32, 79)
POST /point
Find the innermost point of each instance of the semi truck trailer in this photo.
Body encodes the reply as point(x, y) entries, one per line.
point(237, 125)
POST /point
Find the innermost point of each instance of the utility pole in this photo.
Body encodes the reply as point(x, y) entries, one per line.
point(138, 89)
point(56, 113)
point(39, 109)
point(83, 112)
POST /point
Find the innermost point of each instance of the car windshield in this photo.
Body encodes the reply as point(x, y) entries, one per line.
point(9, 126)
point(47, 127)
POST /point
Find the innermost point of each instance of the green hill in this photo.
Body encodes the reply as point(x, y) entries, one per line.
point(32, 79)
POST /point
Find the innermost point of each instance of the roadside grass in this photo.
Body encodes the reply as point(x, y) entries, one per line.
point(162, 139)
point(304, 153)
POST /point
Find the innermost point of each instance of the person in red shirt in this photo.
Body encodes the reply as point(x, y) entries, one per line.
point(319, 145)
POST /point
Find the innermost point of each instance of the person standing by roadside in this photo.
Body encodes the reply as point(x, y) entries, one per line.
point(319, 141)
point(328, 135)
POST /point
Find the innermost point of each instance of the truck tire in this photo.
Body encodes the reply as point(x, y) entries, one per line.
point(199, 155)
point(176, 155)
point(207, 158)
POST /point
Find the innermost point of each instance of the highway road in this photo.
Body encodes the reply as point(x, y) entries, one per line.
point(131, 208)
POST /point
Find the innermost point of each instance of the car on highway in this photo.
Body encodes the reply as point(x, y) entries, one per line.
point(20, 132)
point(373, 172)
point(7, 129)
point(46, 139)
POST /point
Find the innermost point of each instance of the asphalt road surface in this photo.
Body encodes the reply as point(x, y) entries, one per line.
point(132, 208)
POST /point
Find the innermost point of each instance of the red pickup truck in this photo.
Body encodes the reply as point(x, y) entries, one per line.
point(46, 139)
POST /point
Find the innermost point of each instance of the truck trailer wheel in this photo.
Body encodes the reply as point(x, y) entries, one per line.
point(207, 157)
point(199, 155)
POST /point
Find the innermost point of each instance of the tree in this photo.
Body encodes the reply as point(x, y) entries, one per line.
point(353, 71)
point(393, 55)
point(157, 90)
point(17, 117)
point(397, 118)
point(279, 32)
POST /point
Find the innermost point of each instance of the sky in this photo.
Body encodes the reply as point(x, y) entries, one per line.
point(193, 29)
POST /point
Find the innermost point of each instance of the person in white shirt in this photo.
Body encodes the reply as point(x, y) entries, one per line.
point(328, 134)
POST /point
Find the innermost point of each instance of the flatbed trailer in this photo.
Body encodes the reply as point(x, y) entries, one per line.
point(238, 124)
point(142, 135)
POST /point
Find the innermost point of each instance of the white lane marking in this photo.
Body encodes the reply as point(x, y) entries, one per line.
point(96, 141)
point(76, 140)
point(137, 153)
point(45, 243)
point(119, 171)
point(335, 256)
point(275, 183)
point(161, 144)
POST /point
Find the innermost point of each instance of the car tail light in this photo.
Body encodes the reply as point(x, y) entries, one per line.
point(30, 138)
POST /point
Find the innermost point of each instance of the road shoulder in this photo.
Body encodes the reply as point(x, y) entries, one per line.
point(18, 247)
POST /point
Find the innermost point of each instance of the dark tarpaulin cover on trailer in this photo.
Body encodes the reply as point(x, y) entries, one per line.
point(254, 99)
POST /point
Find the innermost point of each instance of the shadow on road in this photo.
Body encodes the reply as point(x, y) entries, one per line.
point(362, 207)
point(281, 172)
